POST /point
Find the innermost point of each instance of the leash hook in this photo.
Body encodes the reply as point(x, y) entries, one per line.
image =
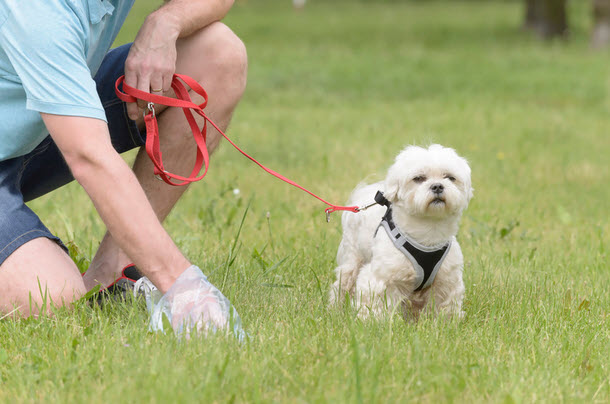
point(158, 176)
point(149, 108)
point(360, 209)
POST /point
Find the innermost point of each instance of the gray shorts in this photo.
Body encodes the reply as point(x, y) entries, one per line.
point(43, 169)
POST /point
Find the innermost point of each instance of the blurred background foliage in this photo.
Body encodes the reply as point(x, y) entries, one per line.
point(547, 19)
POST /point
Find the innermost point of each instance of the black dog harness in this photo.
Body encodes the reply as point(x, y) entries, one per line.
point(425, 260)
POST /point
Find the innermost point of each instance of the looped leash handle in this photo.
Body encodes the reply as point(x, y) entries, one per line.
point(183, 100)
point(335, 208)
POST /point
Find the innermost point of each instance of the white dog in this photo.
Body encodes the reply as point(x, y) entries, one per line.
point(410, 256)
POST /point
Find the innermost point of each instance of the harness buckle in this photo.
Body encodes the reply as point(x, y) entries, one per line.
point(381, 199)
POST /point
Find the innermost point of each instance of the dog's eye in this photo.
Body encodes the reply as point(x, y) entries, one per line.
point(450, 177)
point(419, 178)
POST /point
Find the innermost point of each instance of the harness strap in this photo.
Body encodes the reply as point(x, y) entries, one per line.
point(426, 260)
point(183, 100)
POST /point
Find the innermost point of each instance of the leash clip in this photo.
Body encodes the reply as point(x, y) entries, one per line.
point(157, 176)
point(366, 206)
point(150, 108)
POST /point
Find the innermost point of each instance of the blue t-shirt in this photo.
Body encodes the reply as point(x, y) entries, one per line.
point(49, 52)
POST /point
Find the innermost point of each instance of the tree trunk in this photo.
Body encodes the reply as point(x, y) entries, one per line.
point(532, 15)
point(547, 18)
point(601, 23)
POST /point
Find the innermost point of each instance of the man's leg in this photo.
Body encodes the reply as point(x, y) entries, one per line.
point(216, 58)
point(34, 268)
point(38, 274)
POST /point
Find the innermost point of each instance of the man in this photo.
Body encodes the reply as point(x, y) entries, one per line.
point(58, 123)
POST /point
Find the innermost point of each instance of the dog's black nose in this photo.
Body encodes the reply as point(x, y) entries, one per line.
point(437, 188)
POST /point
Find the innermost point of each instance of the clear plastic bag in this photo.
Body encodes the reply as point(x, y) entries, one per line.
point(192, 306)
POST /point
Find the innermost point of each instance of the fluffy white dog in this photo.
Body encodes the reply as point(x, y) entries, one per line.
point(410, 256)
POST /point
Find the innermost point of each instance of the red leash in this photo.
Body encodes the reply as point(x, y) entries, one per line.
point(183, 100)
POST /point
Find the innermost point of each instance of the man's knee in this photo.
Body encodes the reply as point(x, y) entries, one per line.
point(54, 296)
point(224, 54)
point(38, 275)
point(40, 297)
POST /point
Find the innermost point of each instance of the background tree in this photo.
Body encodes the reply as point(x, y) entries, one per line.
point(601, 23)
point(547, 18)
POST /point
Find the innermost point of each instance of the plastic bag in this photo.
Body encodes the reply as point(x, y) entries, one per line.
point(192, 306)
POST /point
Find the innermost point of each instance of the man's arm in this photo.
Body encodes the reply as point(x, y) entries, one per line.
point(117, 196)
point(152, 60)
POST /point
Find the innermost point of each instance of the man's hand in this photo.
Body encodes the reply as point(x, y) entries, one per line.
point(193, 306)
point(151, 62)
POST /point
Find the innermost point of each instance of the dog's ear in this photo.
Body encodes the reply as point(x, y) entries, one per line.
point(470, 192)
point(391, 188)
point(393, 181)
point(468, 181)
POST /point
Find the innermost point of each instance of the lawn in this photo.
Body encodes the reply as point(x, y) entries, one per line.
point(335, 91)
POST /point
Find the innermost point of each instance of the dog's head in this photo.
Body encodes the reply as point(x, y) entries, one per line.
point(432, 182)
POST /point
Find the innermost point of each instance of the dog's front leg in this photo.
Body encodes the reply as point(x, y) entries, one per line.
point(346, 272)
point(374, 295)
point(448, 298)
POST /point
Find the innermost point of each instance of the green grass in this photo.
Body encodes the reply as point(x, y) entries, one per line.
point(334, 92)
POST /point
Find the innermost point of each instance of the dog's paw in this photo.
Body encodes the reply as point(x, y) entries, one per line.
point(337, 295)
point(334, 295)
